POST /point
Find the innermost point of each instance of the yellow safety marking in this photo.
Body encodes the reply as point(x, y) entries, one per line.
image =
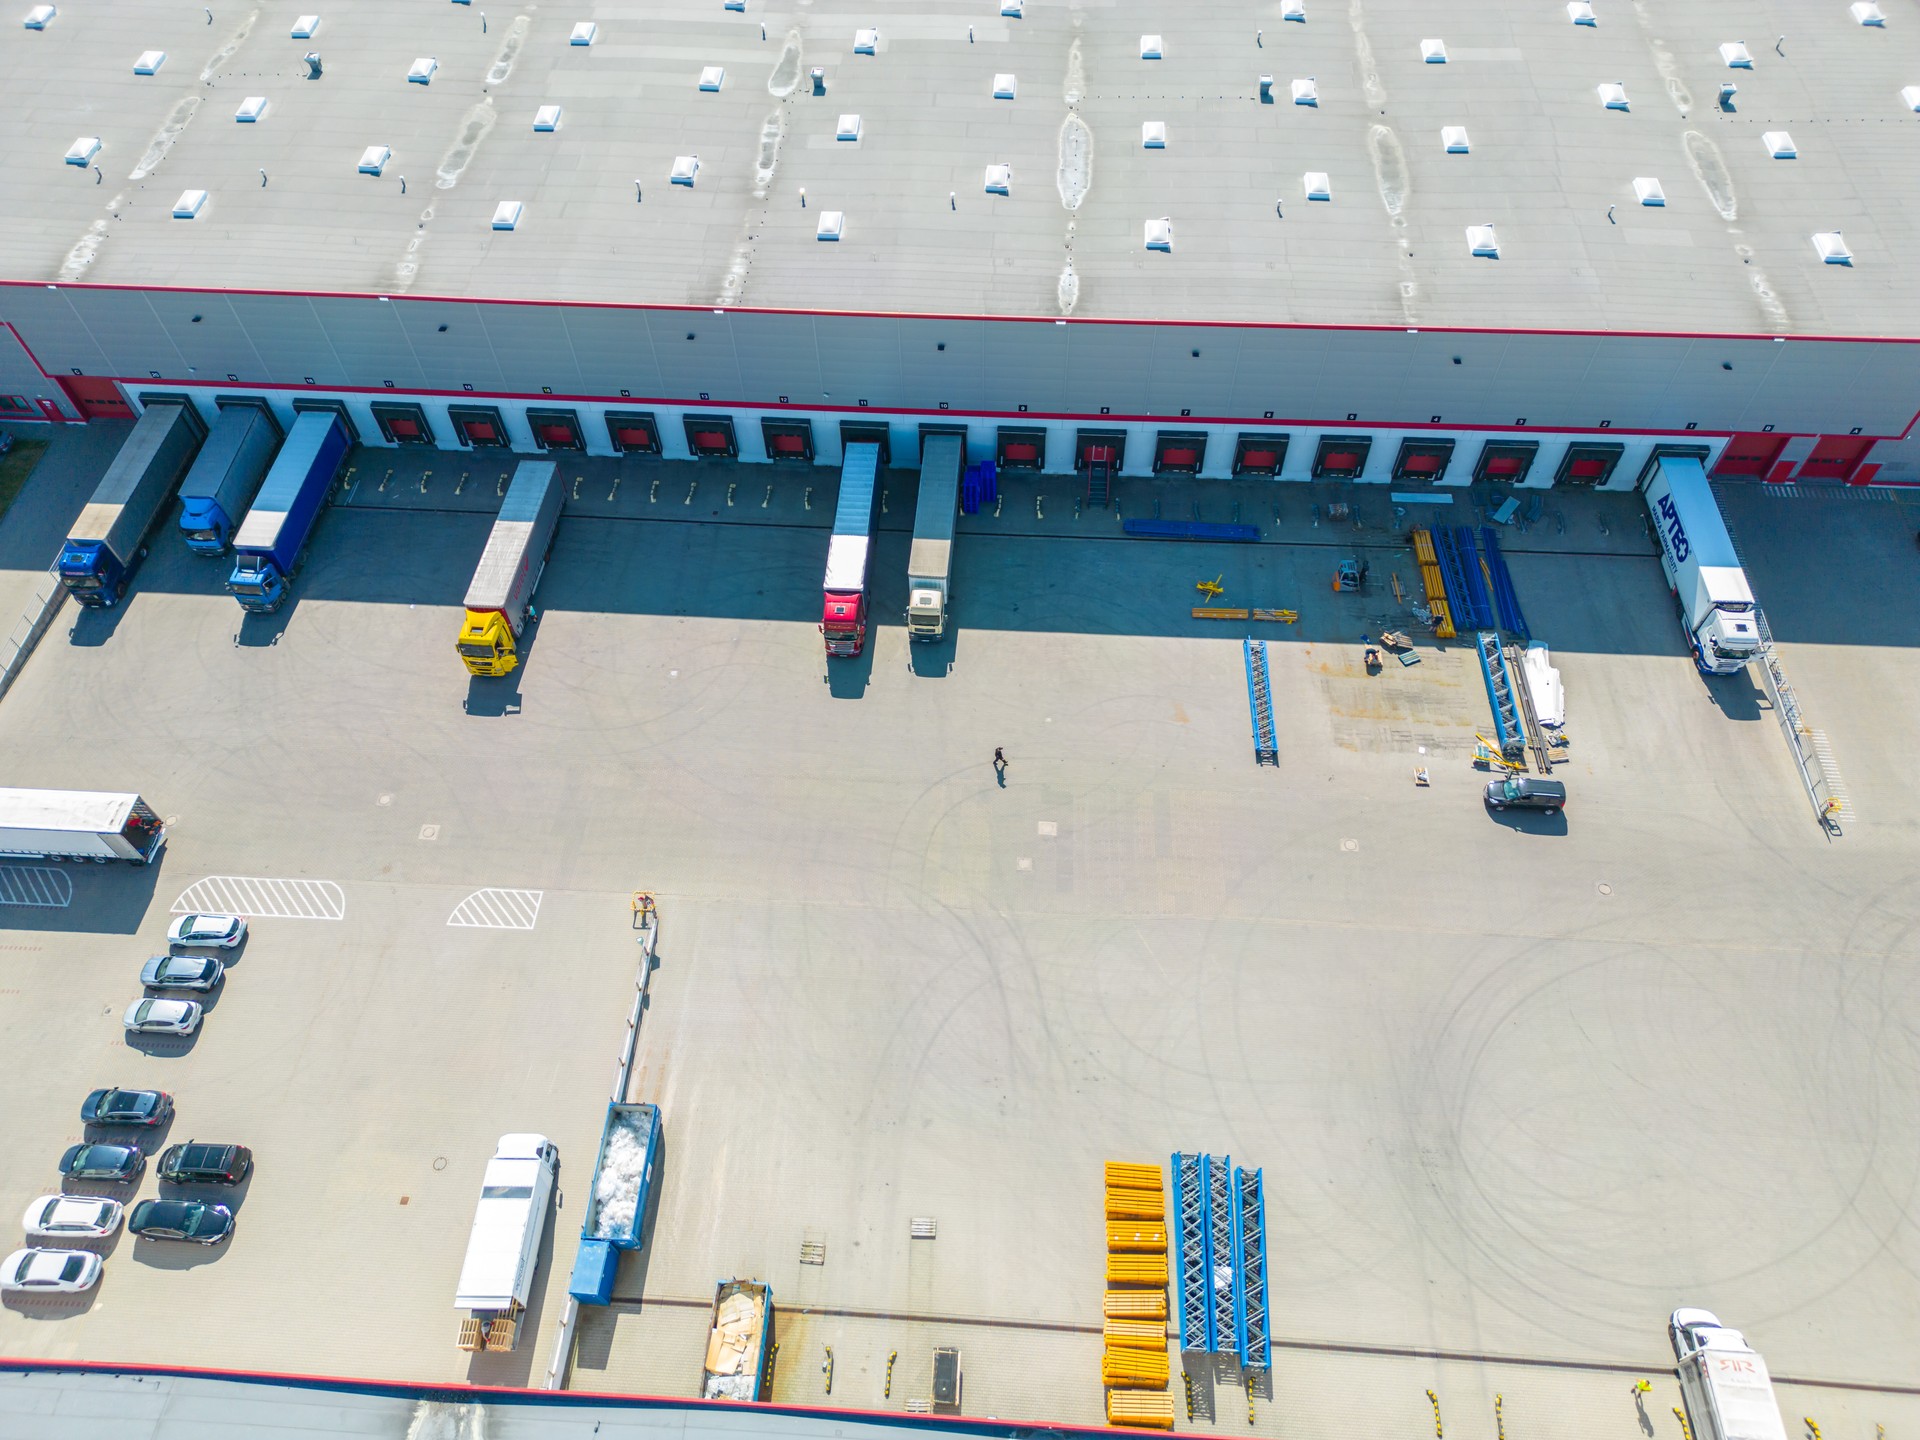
point(1437, 1431)
point(892, 1355)
point(1686, 1430)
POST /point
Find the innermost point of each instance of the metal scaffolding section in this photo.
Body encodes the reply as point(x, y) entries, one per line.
point(1251, 1329)
point(1223, 1261)
point(1190, 1267)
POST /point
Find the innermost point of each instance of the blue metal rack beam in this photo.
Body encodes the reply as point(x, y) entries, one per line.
point(1190, 1250)
point(1505, 601)
point(1250, 1282)
point(1466, 598)
point(1266, 750)
point(1222, 1258)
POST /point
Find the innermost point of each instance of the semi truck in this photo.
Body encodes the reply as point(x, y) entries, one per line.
point(79, 825)
point(239, 448)
point(108, 541)
point(269, 542)
point(1716, 605)
point(742, 1329)
point(501, 596)
point(930, 560)
point(1723, 1382)
point(616, 1208)
point(850, 552)
point(503, 1251)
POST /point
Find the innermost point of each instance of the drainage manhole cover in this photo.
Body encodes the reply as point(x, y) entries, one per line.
point(1605, 889)
point(1349, 845)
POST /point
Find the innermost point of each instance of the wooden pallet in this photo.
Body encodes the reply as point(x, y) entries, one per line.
point(473, 1335)
point(1136, 1305)
point(1141, 1408)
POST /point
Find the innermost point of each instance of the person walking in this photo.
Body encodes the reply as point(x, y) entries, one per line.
point(1000, 765)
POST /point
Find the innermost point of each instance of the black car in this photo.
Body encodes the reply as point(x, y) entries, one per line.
point(103, 1162)
point(181, 1220)
point(126, 1107)
point(197, 1163)
point(1523, 792)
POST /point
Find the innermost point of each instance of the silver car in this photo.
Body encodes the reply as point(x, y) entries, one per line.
point(198, 931)
point(50, 1272)
point(163, 1017)
point(71, 1217)
point(182, 972)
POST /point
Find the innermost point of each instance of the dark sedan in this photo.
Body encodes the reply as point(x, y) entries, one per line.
point(126, 1107)
point(102, 1162)
point(181, 1220)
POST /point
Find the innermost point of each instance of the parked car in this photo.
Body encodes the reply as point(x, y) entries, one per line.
point(6, 441)
point(197, 1162)
point(71, 1217)
point(181, 1220)
point(126, 1107)
point(163, 1017)
point(103, 1162)
point(1523, 792)
point(182, 972)
point(219, 931)
point(50, 1272)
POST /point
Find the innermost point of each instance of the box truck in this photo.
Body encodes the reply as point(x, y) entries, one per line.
point(501, 596)
point(1723, 1382)
point(107, 542)
point(269, 543)
point(239, 448)
point(1716, 605)
point(503, 1250)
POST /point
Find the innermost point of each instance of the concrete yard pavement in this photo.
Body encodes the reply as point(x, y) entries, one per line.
point(1519, 1086)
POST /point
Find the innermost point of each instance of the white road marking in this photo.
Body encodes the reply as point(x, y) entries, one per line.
point(498, 910)
point(259, 898)
point(35, 887)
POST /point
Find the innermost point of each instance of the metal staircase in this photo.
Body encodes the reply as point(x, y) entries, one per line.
point(1266, 750)
point(1099, 479)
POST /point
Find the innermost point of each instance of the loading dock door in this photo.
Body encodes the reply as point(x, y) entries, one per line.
point(1341, 457)
point(479, 426)
point(556, 429)
point(1505, 462)
point(1179, 452)
point(1021, 449)
point(402, 424)
point(1749, 457)
point(1100, 447)
point(1836, 457)
point(788, 439)
point(1588, 464)
point(710, 437)
point(1259, 454)
point(96, 398)
point(1422, 462)
point(633, 432)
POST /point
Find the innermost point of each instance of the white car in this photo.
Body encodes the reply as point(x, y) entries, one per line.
point(72, 1217)
point(223, 931)
point(50, 1272)
point(163, 1017)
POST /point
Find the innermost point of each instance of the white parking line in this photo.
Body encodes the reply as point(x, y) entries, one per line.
point(498, 910)
point(259, 898)
point(33, 886)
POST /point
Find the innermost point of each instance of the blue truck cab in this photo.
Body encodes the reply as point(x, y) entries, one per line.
point(224, 479)
point(268, 545)
point(106, 543)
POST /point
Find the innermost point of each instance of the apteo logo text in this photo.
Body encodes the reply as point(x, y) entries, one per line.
point(1676, 532)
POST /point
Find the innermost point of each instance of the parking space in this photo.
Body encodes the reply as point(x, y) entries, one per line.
point(1492, 1067)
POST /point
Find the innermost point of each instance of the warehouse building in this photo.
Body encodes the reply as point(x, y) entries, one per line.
point(1392, 242)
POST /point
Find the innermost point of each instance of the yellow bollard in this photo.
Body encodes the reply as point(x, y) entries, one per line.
point(501, 488)
point(425, 475)
point(809, 497)
point(654, 493)
point(826, 1367)
point(613, 489)
point(1437, 1431)
point(1686, 1430)
point(690, 489)
point(892, 1355)
point(769, 500)
point(460, 484)
point(383, 482)
point(578, 481)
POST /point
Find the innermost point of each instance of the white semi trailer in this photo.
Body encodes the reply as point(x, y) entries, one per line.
point(503, 1251)
point(1716, 604)
point(1724, 1383)
point(78, 825)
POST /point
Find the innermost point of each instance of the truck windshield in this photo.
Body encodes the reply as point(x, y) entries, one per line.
point(80, 579)
point(506, 1192)
point(478, 652)
point(203, 535)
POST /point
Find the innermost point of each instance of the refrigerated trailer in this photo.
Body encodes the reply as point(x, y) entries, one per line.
point(930, 560)
point(79, 825)
point(106, 544)
point(503, 1249)
point(501, 596)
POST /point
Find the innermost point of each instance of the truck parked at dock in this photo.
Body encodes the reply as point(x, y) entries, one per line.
point(742, 1329)
point(108, 541)
point(501, 596)
point(1704, 573)
point(224, 479)
point(503, 1250)
point(269, 543)
point(1723, 1382)
point(843, 618)
point(616, 1209)
point(79, 825)
point(930, 561)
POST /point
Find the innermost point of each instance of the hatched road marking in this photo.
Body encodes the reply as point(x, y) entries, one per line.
point(33, 886)
point(263, 899)
point(498, 910)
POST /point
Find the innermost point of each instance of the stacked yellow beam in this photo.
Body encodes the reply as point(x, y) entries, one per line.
point(1135, 1358)
point(1435, 587)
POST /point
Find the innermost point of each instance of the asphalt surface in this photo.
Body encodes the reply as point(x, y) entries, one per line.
point(1518, 1087)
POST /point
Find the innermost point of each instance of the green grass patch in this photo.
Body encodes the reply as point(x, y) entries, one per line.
point(16, 467)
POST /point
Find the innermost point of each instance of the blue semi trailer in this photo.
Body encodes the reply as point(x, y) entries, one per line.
point(107, 542)
point(223, 481)
point(270, 540)
point(616, 1210)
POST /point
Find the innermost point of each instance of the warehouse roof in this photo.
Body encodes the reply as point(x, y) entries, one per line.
point(1513, 133)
